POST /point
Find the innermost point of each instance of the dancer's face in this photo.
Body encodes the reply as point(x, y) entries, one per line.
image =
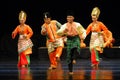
point(22, 21)
point(94, 18)
point(47, 20)
point(70, 18)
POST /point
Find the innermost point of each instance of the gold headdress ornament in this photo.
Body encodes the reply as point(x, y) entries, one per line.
point(96, 12)
point(22, 15)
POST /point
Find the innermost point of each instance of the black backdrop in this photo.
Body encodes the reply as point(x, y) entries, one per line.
point(9, 10)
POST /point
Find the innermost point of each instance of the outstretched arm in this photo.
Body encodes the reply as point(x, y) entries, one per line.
point(14, 33)
point(81, 32)
point(30, 32)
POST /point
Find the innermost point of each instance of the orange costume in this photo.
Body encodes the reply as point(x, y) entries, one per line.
point(108, 38)
point(24, 43)
point(97, 39)
point(54, 42)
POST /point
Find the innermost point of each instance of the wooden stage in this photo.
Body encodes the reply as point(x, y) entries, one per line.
point(109, 68)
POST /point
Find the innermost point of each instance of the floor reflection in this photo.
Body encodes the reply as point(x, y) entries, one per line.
point(99, 74)
point(108, 70)
point(56, 73)
point(24, 73)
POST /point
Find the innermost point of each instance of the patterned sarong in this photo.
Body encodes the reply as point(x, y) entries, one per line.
point(24, 44)
point(96, 41)
point(52, 45)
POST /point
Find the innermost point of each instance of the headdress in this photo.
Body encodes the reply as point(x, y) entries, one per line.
point(95, 12)
point(22, 15)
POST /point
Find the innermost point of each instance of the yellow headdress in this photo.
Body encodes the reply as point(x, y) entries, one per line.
point(96, 12)
point(22, 15)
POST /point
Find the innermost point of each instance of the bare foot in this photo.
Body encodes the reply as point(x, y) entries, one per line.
point(23, 65)
point(50, 68)
point(71, 73)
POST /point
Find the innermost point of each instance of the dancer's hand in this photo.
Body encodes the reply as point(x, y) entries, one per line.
point(13, 35)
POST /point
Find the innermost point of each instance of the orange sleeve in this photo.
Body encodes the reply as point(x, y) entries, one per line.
point(29, 32)
point(104, 28)
point(15, 32)
point(109, 38)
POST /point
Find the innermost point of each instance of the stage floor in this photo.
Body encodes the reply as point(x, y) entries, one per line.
point(108, 69)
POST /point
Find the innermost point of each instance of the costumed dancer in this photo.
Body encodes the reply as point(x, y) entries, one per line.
point(97, 39)
point(74, 32)
point(24, 42)
point(54, 42)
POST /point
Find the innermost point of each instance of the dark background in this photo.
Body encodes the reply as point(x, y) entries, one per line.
point(9, 10)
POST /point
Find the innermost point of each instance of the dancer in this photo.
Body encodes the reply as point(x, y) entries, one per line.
point(97, 39)
point(54, 42)
point(24, 42)
point(74, 32)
